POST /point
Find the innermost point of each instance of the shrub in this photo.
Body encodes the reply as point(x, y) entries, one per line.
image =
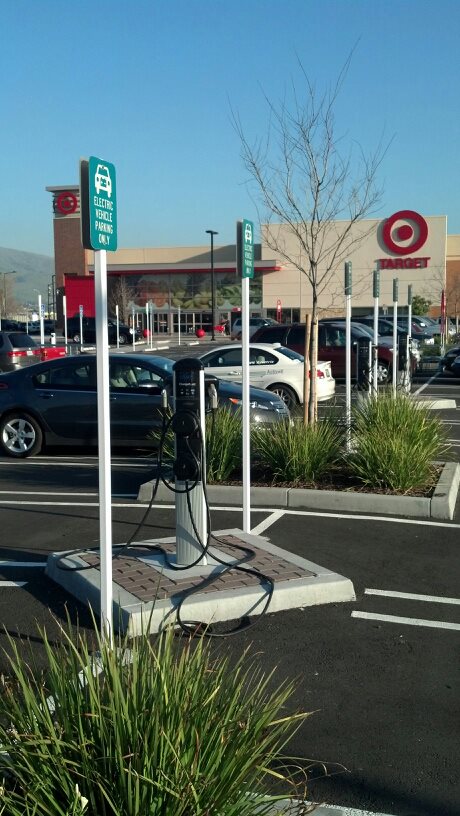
point(395, 442)
point(145, 729)
point(298, 453)
point(224, 432)
point(223, 443)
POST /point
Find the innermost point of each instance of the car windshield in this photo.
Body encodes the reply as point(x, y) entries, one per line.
point(293, 355)
point(163, 363)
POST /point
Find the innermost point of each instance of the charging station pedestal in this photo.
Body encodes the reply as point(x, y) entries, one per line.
point(189, 465)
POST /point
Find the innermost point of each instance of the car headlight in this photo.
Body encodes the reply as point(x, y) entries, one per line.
point(253, 404)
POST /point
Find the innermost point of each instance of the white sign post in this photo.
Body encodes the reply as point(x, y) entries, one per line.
point(117, 315)
point(41, 314)
point(376, 293)
point(245, 265)
point(64, 309)
point(395, 334)
point(103, 422)
point(348, 292)
point(99, 232)
point(81, 324)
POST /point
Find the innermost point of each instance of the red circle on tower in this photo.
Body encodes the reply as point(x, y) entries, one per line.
point(66, 203)
point(404, 232)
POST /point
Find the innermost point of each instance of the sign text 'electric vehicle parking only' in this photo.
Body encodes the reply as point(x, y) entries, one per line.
point(98, 202)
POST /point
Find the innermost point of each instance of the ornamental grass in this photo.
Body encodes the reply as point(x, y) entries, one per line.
point(298, 453)
point(147, 728)
point(396, 442)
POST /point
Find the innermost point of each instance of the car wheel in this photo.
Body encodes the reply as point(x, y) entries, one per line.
point(383, 372)
point(76, 338)
point(20, 435)
point(286, 393)
point(123, 339)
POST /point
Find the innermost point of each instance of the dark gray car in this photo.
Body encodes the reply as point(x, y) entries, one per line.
point(55, 402)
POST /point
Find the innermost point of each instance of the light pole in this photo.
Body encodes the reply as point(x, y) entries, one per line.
point(13, 272)
point(212, 233)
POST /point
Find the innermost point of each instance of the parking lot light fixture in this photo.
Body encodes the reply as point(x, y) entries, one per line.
point(13, 272)
point(212, 233)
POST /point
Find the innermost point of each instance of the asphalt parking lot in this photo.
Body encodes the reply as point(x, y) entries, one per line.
point(381, 674)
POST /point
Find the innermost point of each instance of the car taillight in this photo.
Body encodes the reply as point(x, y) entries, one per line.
point(319, 373)
point(3, 386)
point(14, 354)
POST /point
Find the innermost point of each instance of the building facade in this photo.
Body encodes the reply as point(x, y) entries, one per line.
point(177, 280)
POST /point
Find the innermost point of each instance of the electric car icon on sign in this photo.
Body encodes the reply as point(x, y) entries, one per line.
point(102, 180)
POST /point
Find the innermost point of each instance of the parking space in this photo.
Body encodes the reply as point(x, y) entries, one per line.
point(381, 674)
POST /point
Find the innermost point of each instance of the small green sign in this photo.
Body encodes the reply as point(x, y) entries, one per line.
point(102, 198)
point(247, 249)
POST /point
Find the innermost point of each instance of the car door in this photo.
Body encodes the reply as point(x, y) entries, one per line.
point(66, 397)
point(225, 363)
point(135, 401)
point(331, 346)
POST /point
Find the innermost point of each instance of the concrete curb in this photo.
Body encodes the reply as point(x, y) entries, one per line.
point(440, 506)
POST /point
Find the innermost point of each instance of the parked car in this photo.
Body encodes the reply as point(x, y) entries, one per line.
point(449, 358)
point(450, 326)
point(273, 367)
point(89, 331)
point(254, 324)
point(455, 365)
point(10, 325)
point(331, 345)
point(18, 349)
point(418, 333)
point(55, 402)
point(386, 339)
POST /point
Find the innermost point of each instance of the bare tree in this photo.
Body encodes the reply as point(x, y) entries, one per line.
point(120, 294)
point(305, 181)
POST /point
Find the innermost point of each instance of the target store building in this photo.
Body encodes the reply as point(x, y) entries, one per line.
point(403, 245)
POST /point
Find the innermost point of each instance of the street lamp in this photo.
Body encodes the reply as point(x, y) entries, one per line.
point(212, 233)
point(13, 272)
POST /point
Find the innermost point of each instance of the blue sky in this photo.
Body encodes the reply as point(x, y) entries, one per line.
point(150, 85)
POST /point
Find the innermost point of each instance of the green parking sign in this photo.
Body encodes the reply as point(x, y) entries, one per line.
point(98, 202)
point(245, 242)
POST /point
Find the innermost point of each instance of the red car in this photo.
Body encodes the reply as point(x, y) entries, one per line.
point(331, 345)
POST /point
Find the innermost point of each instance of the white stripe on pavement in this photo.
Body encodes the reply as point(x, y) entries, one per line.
point(428, 382)
point(410, 596)
point(41, 564)
point(271, 519)
point(407, 621)
point(12, 583)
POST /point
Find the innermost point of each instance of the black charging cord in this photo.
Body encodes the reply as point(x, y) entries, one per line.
point(118, 550)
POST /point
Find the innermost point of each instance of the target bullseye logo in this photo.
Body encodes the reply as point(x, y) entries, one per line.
point(415, 231)
point(66, 203)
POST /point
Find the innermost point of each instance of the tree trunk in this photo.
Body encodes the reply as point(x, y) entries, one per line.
point(313, 361)
point(306, 381)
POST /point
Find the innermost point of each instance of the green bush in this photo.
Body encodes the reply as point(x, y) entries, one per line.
point(142, 729)
point(298, 453)
point(395, 442)
point(223, 443)
point(224, 433)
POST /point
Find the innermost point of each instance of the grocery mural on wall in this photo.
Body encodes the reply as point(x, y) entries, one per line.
point(191, 292)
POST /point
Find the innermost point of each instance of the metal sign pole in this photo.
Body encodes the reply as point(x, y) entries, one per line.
point(81, 325)
point(348, 291)
point(134, 334)
point(41, 309)
point(395, 333)
point(64, 309)
point(117, 315)
point(103, 422)
point(376, 293)
point(245, 266)
point(178, 326)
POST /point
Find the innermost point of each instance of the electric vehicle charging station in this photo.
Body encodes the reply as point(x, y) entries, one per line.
point(188, 424)
point(169, 571)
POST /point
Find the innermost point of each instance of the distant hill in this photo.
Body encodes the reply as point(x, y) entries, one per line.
point(32, 272)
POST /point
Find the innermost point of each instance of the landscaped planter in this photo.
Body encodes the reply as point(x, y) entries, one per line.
point(440, 505)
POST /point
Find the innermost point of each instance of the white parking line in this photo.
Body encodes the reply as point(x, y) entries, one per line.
point(422, 387)
point(271, 519)
point(40, 564)
point(410, 596)
point(406, 621)
point(12, 583)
